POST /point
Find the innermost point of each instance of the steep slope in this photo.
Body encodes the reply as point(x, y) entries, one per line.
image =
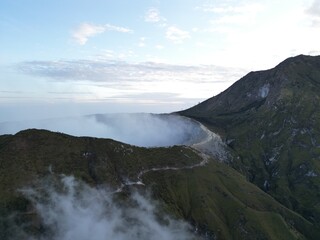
point(33, 155)
point(218, 201)
point(271, 119)
point(224, 205)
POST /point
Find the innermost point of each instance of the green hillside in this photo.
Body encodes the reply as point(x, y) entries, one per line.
point(215, 199)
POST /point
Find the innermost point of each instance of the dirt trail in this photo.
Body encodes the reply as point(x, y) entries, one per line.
point(210, 146)
point(167, 168)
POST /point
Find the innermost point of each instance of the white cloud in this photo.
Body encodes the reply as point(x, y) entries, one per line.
point(153, 15)
point(316, 23)
point(314, 12)
point(231, 8)
point(314, 8)
point(71, 209)
point(258, 34)
point(228, 15)
point(173, 33)
point(86, 30)
point(106, 54)
point(142, 42)
point(109, 27)
point(176, 35)
point(235, 14)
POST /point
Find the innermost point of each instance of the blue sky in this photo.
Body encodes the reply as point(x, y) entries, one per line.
point(73, 57)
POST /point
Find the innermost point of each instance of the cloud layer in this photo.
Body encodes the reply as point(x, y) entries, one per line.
point(315, 8)
point(146, 130)
point(314, 12)
point(141, 83)
point(70, 209)
point(172, 32)
point(121, 71)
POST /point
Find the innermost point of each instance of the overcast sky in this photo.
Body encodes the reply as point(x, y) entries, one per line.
point(72, 57)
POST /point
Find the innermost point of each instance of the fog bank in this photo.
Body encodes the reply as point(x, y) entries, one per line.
point(70, 209)
point(146, 130)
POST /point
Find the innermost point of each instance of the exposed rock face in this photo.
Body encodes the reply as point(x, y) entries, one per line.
point(271, 119)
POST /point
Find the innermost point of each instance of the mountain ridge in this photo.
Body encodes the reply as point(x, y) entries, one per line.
point(271, 120)
point(259, 84)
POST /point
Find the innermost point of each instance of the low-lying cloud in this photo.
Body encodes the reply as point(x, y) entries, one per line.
point(69, 209)
point(146, 130)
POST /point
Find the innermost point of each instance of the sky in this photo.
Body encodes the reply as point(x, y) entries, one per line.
point(72, 57)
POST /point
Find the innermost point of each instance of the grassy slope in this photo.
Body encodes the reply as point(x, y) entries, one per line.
point(215, 198)
point(224, 204)
point(31, 154)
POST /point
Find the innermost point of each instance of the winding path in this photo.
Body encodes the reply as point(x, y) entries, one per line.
point(210, 146)
point(205, 160)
